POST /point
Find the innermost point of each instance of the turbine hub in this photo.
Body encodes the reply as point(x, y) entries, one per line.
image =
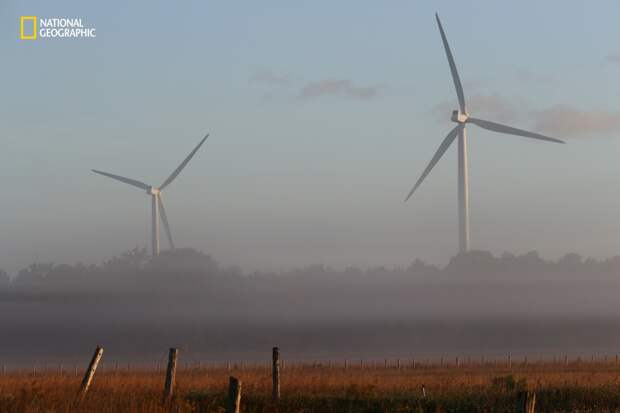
point(459, 117)
point(153, 191)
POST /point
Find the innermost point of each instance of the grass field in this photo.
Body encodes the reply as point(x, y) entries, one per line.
point(576, 387)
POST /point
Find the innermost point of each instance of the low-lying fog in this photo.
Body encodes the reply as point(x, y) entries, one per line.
point(477, 305)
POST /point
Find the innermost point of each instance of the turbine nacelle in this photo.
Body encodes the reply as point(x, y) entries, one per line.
point(153, 191)
point(459, 117)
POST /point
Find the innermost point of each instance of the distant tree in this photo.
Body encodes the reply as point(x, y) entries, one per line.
point(419, 268)
point(508, 256)
point(182, 261)
point(570, 261)
point(130, 261)
point(473, 263)
point(34, 275)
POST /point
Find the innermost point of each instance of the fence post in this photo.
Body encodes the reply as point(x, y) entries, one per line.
point(275, 374)
point(526, 402)
point(170, 374)
point(234, 395)
point(90, 372)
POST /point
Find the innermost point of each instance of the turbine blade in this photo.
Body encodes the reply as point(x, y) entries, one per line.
point(498, 127)
point(129, 181)
point(182, 165)
point(164, 220)
point(442, 149)
point(455, 74)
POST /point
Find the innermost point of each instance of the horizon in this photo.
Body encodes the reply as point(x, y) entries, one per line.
point(575, 258)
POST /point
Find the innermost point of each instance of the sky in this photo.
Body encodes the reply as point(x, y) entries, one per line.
point(322, 116)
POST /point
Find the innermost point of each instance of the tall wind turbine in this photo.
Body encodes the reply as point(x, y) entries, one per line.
point(157, 205)
point(462, 118)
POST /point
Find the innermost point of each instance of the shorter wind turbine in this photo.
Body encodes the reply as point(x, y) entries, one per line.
point(157, 205)
point(462, 118)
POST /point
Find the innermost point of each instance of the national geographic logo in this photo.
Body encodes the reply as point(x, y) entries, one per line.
point(32, 28)
point(28, 27)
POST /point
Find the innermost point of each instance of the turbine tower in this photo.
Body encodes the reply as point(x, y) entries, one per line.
point(462, 118)
point(157, 205)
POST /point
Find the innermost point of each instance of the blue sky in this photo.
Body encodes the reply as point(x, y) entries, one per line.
point(322, 115)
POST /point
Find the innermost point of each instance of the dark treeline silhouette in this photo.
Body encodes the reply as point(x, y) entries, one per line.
point(477, 301)
point(193, 271)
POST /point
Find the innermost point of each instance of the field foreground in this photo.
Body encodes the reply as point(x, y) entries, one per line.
point(559, 387)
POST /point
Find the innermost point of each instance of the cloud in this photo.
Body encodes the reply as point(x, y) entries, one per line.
point(494, 107)
point(565, 120)
point(270, 78)
point(613, 58)
point(558, 120)
point(338, 87)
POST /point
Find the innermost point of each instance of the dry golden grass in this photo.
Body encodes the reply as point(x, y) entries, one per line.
point(205, 389)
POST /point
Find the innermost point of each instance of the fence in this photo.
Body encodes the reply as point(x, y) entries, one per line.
point(281, 368)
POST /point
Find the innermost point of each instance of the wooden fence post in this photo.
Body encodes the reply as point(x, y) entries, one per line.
point(90, 372)
point(170, 374)
point(526, 402)
point(234, 395)
point(275, 374)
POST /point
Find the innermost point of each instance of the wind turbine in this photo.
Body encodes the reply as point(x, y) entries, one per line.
point(462, 118)
point(157, 205)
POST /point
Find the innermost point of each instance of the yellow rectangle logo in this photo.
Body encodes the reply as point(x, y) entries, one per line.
point(23, 33)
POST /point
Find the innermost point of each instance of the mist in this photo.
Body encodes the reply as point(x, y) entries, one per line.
point(138, 306)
